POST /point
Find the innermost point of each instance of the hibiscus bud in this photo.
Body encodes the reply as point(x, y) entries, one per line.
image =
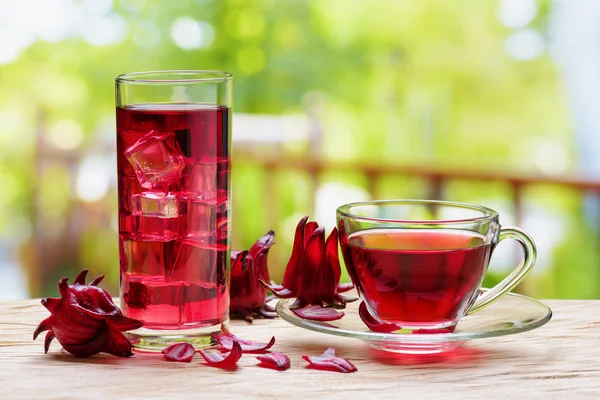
point(85, 321)
point(313, 272)
point(248, 268)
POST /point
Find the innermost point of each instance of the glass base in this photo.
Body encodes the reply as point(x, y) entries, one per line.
point(154, 340)
point(414, 348)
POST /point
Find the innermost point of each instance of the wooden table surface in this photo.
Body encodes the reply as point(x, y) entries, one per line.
point(558, 360)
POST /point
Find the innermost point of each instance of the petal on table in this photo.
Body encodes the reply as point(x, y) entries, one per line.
point(277, 361)
point(215, 358)
point(329, 362)
point(248, 346)
point(182, 352)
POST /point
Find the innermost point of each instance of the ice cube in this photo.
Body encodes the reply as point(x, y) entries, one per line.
point(208, 306)
point(201, 181)
point(200, 221)
point(156, 159)
point(154, 301)
point(156, 216)
point(128, 186)
point(204, 224)
point(200, 264)
point(146, 258)
point(207, 180)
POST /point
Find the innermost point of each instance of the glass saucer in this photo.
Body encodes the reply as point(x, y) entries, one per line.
point(510, 314)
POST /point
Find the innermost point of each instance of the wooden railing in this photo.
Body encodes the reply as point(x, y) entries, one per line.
point(437, 176)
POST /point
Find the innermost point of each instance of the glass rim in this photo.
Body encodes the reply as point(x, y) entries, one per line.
point(488, 213)
point(173, 76)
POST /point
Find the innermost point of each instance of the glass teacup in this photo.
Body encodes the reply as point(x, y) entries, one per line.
point(420, 264)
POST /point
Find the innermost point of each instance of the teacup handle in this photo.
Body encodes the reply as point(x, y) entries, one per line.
point(516, 276)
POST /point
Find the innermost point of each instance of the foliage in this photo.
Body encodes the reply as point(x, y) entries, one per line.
point(391, 80)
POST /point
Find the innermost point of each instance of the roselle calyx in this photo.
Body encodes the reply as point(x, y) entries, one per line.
point(278, 361)
point(85, 321)
point(227, 339)
point(328, 361)
point(313, 272)
point(372, 323)
point(180, 352)
point(248, 268)
point(215, 358)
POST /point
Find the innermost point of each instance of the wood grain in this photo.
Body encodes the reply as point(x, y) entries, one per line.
point(558, 360)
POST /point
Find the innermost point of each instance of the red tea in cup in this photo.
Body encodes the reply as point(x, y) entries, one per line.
point(420, 263)
point(417, 276)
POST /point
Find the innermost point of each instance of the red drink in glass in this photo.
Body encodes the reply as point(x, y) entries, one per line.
point(173, 171)
point(173, 177)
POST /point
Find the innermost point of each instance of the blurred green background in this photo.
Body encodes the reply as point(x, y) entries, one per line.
point(429, 85)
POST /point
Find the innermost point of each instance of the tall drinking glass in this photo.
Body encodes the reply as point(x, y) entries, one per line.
point(173, 148)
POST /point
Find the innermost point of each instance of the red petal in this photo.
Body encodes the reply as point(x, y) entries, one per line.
point(308, 230)
point(263, 243)
point(329, 362)
point(259, 253)
point(49, 336)
point(80, 278)
point(50, 303)
point(344, 287)
point(238, 261)
point(292, 274)
point(277, 290)
point(122, 323)
point(248, 346)
point(318, 284)
point(372, 323)
point(118, 345)
point(333, 259)
point(266, 312)
point(182, 352)
point(43, 326)
point(229, 360)
point(342, 300)
point(96, 281)
point(63, 287)
point(274, 360)
point(318, 313)
point(262, 268)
